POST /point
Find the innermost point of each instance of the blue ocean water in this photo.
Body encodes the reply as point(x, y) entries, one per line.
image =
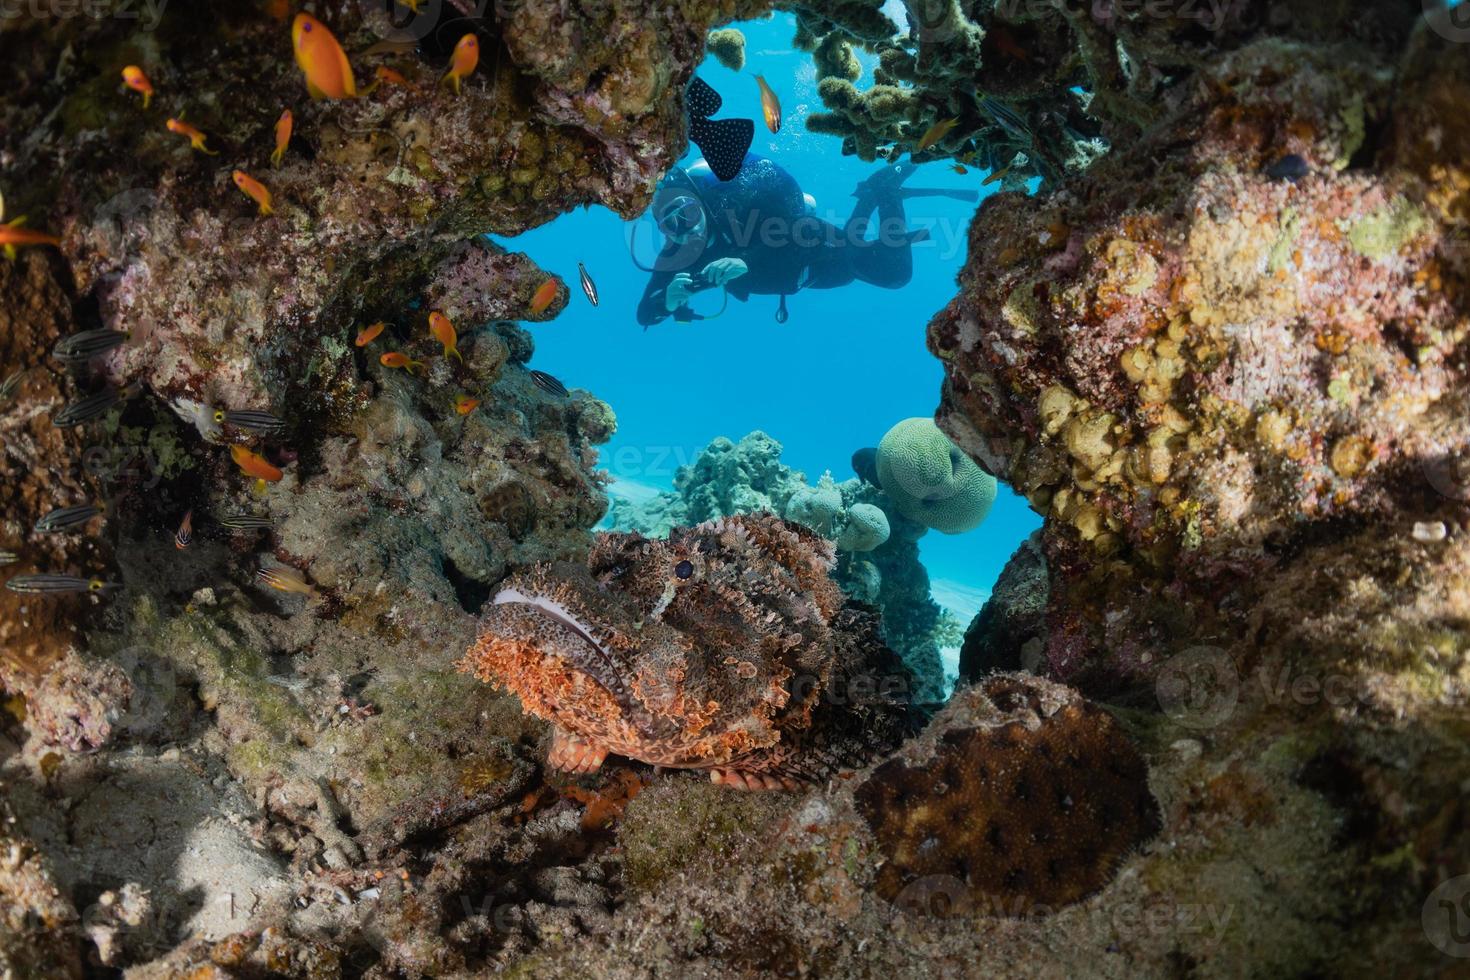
point(845, 367)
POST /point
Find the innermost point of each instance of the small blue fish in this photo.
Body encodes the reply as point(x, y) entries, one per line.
point(1292, 167)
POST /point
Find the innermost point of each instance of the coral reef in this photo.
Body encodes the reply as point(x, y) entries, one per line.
point(1020, 794)
point(929, 480)
point(1041, 90)
point(727, 45)
point(1009, 631)
point(1226, 361)
point(1236, 389)
point(878, 563)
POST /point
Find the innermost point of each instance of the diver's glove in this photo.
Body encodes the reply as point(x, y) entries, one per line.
point(678, 291)
point(721, 271)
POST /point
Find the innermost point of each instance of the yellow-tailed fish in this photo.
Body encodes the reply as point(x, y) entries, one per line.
point(443, 332)
point(13, 235)
point(464, 404)
point(322, 60)
point(134, 79)
point(997, 175)
point(935, 133)
point(283, 136)
point(284, 578)
point(466, 57)
point(770, 105)
point(254, 190)
point(195, 137)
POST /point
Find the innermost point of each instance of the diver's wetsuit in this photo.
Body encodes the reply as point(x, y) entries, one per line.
point(761, 218)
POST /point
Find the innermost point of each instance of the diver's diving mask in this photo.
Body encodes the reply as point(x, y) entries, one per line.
point(682, 218)
point(675, 228)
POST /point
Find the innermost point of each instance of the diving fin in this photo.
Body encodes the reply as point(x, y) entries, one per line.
point(724, 142)
point(957, 194)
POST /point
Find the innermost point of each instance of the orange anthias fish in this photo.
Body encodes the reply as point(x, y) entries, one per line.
point(443, 332)
point(369, 334)
point(544, 296)
point(395, 359)
point(935, 133)
point(385, 74)
point(770, 105)
point(322, 60)
point(254, 189)
point(254, 464)
point(466, 56)
point(134, 79)
point(960, 168)
point(283, 136)
point(196, 138)
point(464, 404)
point(13, 234)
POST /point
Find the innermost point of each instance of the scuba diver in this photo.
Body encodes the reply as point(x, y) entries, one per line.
point(758, 233)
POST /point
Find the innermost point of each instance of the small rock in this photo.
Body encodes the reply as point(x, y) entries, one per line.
point(1429, 531)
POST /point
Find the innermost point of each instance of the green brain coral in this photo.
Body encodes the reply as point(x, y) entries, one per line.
point(866, 529)
point(930, 480)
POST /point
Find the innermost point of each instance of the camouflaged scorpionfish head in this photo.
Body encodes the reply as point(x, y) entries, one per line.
point(688, 652)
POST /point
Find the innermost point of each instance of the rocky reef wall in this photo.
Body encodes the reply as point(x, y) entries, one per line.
point(1228, 365)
